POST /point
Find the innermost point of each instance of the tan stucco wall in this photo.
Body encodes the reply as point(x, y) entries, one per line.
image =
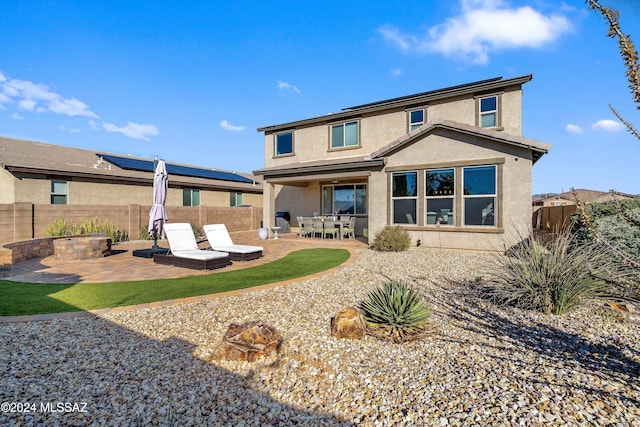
point(442, 147)
point(37, 190)
point(380, 129)
point(7, 187)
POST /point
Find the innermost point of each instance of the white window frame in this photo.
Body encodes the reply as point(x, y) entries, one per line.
point(415, 125)
point(495, 112)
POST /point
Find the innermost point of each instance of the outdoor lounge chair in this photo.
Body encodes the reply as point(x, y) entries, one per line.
point(184, 251)
point(219, 240)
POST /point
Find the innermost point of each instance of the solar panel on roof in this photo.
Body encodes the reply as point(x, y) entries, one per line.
point(147, 166)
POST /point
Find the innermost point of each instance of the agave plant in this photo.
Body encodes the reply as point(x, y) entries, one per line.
point(395, 312)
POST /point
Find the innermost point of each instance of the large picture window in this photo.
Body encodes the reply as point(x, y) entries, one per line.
point(349, 199)
point(480, 197)
point(344, 135)
point(284, 144)
point(440, 196)
point(404, 196)
point(58, 192)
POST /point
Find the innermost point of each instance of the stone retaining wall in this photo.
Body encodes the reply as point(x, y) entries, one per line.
point(77, 248)
point(24, 250)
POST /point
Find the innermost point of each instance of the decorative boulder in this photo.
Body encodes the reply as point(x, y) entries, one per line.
point(348, 323)
point(248, 342)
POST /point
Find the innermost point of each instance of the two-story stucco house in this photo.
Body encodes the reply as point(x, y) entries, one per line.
point(450, 166)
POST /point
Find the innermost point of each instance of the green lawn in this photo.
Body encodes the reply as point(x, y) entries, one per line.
point(40, 298)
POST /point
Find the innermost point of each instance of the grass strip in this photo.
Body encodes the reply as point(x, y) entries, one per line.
point(41, 298)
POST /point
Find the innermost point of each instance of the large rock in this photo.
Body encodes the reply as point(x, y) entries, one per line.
point(248, 342)
point(348, 323)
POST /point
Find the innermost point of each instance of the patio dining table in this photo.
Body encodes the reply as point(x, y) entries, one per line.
point(339, 222)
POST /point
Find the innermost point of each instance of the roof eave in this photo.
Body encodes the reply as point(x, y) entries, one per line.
point(485, 85)
point(332, 167)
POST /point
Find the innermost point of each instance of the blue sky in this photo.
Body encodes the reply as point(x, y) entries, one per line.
point(191, 81)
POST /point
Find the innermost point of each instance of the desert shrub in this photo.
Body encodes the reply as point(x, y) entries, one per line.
point(616, 223)
point(391, 239)
point(395, 312)
point(144, 233)
point(60, 227)
point(553, 275)
point(57, 227)
point(198, 231)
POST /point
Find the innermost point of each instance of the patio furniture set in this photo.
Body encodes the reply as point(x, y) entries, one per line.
point(184, 250)
point(323, 227)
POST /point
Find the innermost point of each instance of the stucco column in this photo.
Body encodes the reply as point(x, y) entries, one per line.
point(269, 204)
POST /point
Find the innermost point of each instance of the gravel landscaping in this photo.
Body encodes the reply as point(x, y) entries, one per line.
point(481, 364)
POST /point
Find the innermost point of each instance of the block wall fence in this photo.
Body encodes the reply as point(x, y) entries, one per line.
point(24, 221)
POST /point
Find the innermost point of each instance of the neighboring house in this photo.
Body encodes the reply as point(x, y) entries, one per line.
point(40, 173)
point(585, 196)
point(450, 166)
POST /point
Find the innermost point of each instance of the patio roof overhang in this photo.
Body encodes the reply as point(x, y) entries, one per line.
point(301, 174)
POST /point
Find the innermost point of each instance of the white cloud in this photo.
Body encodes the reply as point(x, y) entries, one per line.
point(38, 97)
point(228, 126)
point(70, 130)
point(93, 124)
point(571, 128)
point(26, 104)
point(396, 72)
point(286, 86)
point(133, 130)
point(17, 116)
point(608, 125)
point(484, 27)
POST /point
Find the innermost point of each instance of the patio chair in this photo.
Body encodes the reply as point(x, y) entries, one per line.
point(184, 251)
point(317, 227)
point(330, 229)
point(349, 230)
point(219, 240)
point(305, 227)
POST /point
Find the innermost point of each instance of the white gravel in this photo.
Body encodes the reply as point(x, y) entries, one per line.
point(485, 365)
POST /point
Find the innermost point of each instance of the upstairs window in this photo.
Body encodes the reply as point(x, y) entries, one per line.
point(404, 196)
point(284, 144)
point(190, 197)
point(345, 135)
point(416, 119)
point(235, 199)
point(58, 192)
point(489, 112)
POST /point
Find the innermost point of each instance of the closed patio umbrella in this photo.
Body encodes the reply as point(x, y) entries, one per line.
point(158, 213)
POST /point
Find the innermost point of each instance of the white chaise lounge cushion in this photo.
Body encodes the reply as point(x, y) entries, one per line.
point(220, 240)
point(183, 242)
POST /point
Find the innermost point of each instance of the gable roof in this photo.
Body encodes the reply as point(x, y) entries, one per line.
point(377, 160)
point(480, 86)
point(537, 148)
point(21, 156)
